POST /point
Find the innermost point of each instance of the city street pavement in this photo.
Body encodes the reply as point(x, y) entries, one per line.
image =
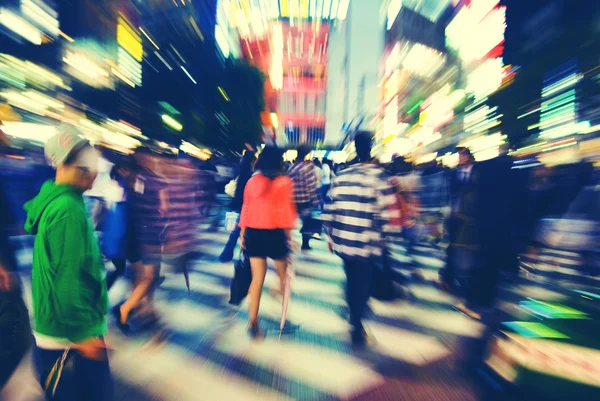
point(416, 355)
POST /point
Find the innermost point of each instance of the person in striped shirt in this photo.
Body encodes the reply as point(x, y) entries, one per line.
point(363, 216)
point(306, 193)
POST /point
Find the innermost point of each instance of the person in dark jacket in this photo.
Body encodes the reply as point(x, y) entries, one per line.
point(459, 180)
point(15, 333)
point(246, 170)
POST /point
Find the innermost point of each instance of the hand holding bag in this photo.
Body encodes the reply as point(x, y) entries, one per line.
point(241, 279)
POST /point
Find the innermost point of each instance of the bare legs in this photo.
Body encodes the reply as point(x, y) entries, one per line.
point(144, 278)
point(259, 271)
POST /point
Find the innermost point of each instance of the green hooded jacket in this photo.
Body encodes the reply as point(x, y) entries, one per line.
point(70, 299)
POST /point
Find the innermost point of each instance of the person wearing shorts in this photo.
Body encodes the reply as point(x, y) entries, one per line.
point(268, 216)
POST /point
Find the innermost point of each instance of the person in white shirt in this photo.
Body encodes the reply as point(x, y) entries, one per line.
point(326, 180)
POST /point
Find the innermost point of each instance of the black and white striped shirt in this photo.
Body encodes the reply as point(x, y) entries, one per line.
point(364, 213)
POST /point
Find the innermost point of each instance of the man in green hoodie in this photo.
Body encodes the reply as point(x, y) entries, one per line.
point(70, 300)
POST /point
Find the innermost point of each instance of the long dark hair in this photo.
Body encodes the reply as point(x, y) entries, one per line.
point(270, 162)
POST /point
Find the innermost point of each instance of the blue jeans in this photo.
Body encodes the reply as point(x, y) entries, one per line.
point(82, 379)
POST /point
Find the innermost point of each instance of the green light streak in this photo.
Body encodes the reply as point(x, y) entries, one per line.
point(419, 103)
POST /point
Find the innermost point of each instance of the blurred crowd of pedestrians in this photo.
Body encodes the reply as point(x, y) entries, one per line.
point(484, 214)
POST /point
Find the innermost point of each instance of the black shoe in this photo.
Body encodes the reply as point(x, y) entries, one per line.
point(359, 338)
point(116, 312)
point(255, 331)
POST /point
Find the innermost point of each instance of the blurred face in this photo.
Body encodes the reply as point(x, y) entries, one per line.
point(82, 172)
point(463, 158)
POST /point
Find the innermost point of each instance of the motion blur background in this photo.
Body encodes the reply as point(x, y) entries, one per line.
point(200, 81)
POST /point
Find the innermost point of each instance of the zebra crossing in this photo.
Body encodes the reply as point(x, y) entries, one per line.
point(209, 356)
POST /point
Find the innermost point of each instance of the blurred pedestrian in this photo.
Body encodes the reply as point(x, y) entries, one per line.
point(246, 171)
point(15, 333)
point(326, 180)
point(149, 208)
point(119, 242)
point(305, 193)
point(459, 181)
point(407, 183)
point(360, 221)
point(497, 209)
point(70, 300)
point(268, 216)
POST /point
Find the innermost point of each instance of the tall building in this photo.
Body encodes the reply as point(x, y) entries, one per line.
point(356, 46)
point(289, 41)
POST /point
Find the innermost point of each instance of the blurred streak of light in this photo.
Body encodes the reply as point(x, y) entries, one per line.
point(40, 16)
point(175, 2)
point(84, 65)
point(565, 130)
point(222, 41)
point(122, 77)
point(343, 9)
point(195, 26)
point(65, 36)
point(335, 4)
point(304, 8)
point(202, 154)
point(562, 85)
point(129, 40)
point(284, 7)
point(151, 66)
point(276, 73)
point(163, 60)
point(30, 131)
point(19, 26)
point(560, 100)
point(326, 9)
point(319, 10)
point(392, 12)
point(249, 50)
point(183, 2)
point(171, 122)
point(275, 120)
point(591, 129)
point(313, 6)
point(529, 113)
point(45, 73)
point(423, 61)
point(474, 36)
point(149, 38)
point(177, 53)
point(486, 78)
point(273, 9)
point(223, 93)
point(188, 74)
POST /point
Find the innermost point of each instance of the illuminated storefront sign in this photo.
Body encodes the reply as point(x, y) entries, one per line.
point(19, 26)
point(41, 15)
point(476, 30)
point(486, 78)
point(129, 40)
point(86, 70)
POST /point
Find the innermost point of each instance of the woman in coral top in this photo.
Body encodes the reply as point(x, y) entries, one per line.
point(268, 216)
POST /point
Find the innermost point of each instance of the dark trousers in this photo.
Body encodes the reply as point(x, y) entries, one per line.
point(120, 265)
point(15, 334)
point(447, 274)
point(308, 223)
point(484, 277)
point(227, 253)
point(84, 380)
point(359, 283)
